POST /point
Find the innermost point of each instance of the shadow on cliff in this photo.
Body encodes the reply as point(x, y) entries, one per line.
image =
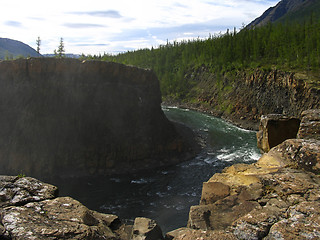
point(64, 117)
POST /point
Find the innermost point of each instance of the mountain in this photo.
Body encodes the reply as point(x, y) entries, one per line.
point(12, 49)
point(288, 10)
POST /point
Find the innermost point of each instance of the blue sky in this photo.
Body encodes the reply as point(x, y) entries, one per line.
point(98, 26)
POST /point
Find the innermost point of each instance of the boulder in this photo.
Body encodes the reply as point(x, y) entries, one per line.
point(310, 124)
point(20, 190)
point(274, 129)
point(60, 218)
point(192, 234)
point(219, 215)
point(146, 229)
point(213, 191)
point(300, 153)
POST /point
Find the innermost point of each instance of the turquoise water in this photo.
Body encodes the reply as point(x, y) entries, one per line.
point(166, 194)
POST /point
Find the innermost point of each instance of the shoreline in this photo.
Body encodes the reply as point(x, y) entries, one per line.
point(242, 123)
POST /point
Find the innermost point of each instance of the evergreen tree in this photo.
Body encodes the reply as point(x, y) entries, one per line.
point(61, 51)
point(38, 41)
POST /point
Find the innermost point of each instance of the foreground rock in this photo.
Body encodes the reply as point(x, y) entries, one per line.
point(146, 229)
point(31, 209)
point(272, 198)
point(66, 117)
point(310, 125)
point(278, 197)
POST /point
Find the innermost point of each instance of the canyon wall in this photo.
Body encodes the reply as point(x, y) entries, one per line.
point(65, 117)
point(243, 96)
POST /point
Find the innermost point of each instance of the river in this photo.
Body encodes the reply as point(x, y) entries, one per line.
point(166, 195)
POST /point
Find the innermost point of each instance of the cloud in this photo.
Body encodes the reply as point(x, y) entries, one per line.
point(171, 33)
point(91, 44)
point(106, 14)
point(83, 25)
point(13, 23)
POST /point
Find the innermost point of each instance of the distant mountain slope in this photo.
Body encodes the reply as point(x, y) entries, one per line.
point(12, 49)
point(296, 10)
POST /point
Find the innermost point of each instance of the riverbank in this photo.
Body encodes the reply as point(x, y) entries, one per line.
point(242, 123)
point(243, 96)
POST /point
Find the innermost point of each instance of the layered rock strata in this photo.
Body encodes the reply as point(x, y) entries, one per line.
point(243, 96)
point(67, 117)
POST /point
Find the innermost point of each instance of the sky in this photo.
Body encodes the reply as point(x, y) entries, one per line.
point(104, 26)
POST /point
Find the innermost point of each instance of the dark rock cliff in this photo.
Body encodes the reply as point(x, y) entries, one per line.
point(63, 116)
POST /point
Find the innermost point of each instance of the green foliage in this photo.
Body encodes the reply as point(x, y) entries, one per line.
point(21, 175)
point(38, 42)
point(60, 53)
point(281, 45)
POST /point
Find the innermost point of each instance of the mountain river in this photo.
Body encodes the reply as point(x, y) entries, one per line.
point(166, 195)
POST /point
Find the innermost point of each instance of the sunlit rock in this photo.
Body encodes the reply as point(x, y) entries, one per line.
point(274, 129)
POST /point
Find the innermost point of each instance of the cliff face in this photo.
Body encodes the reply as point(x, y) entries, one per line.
point(244, 96)
point(63, 116)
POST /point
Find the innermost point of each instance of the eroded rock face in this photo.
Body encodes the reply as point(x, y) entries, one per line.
point(310, 124)
point(274, 129)
point(66, 117)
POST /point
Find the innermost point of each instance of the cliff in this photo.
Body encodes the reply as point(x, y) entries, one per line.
point(66, 117)
point(243, 96)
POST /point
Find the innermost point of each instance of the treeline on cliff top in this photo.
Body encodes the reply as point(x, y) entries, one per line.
point(288, 45)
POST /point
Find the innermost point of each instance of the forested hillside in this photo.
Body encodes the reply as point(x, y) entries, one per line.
point(11, 49)
point(283, 46)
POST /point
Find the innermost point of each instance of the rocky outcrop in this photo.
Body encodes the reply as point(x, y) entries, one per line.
point(67, 117)
point(243, 96)
point(277, 197)
point(270, 199)
point(274, 129)
point(310, 125)
point(31, 209)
